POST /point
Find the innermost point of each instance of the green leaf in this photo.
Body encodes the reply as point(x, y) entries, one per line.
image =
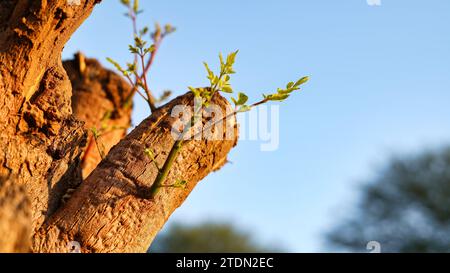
point(241, 99)
point(232, 58)
point(227, 89)
point(244, 108)
point(286, 92)
point(277, 97)
point(139, 42)
point(210, 72)
point(195, 91)
point(222, 63)
point(136, 6)
point(116, 65)
point(125, 2)
point(168, 29)
point(150, 49)
point(290, 85)
point(133, 49)
point(301, 81)
point(132, 67)
point(144, 31)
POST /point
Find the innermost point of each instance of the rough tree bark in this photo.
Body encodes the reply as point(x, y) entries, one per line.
point(14, 216)
point(102, 100)
point(45, 145)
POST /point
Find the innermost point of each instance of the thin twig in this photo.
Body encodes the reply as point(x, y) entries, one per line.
point(150, 98)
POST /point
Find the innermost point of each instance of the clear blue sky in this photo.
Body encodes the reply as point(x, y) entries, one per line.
point(380, 85)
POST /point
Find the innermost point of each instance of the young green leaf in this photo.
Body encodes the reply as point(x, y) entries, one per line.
point(150, 49)
point(168, 29)
point(136, 6)
point(227, 89)
point(117, 66)
point(144, 31)
point(132, 67)
point(241, 99)
point(139, 42)
point(232, 58)
point(222, 63)
point(277, 97)
point(211, 77)
point(133, 49)
point(244, 108)
point(195, 91)
point(301, 81)
point(125, 2)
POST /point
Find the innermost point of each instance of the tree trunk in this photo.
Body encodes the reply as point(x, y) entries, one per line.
point(103, 100)
point(15, 217)
point(46, 148)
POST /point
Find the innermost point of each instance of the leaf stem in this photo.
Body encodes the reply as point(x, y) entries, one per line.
point(145, 66)
point(162, 174)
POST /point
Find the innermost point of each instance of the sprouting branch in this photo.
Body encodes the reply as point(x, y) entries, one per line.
point(204, 95)
point(143, 56)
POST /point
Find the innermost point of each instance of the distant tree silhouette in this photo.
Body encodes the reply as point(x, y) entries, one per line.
point(206, 238)
point(406, 208)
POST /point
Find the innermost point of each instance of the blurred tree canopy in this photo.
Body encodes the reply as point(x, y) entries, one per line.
point(206, 238)
point(406, 208)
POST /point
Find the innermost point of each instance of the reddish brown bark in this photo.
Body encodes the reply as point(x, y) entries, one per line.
point(102, 99)
point(43, 143)
point(15, 215)
point(113, 209)
point(40, 140)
